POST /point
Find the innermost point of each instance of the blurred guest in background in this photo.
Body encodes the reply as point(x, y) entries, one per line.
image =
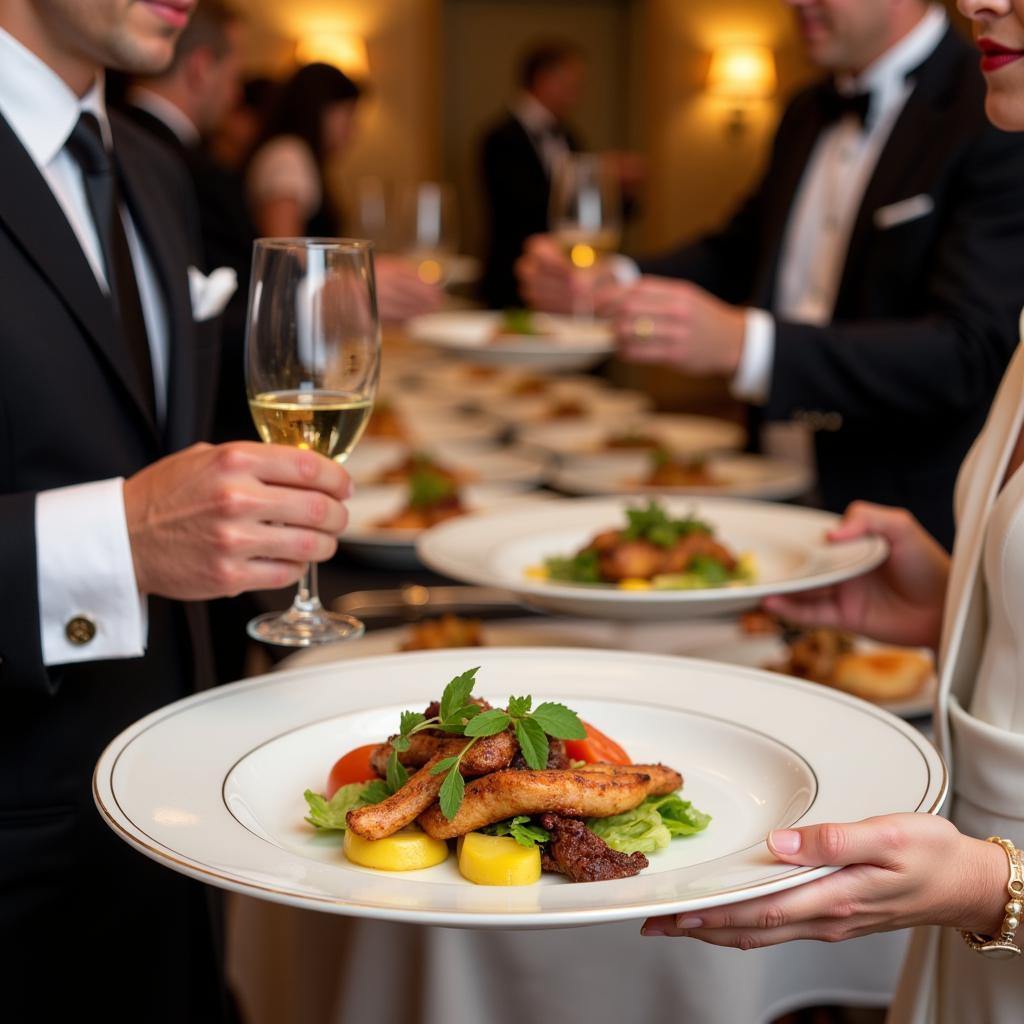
point(869, 286)
point(520, 154)
point(234, 138)
point(287, 180)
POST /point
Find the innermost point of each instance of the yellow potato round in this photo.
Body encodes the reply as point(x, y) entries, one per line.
point(498, 860)
point(407, 850)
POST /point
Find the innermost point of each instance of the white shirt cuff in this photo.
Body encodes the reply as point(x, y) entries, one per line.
point(754, 375)
point(85, 569)
point(624, 270)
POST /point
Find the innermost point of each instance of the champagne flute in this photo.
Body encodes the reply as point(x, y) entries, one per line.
point(428, 229)
point(312, 360)
point(585, 214)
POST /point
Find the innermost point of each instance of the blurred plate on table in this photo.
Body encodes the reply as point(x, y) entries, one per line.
point(396, 549)
point(682, 435)
point(734, 476)
point(786, 544)
point(473, 461)
point(211, 786)
point(421, 427)
point(562, 343)
point(606, 405)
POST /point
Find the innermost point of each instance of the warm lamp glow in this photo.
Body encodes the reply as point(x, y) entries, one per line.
point(341, 49)
point(742, 72)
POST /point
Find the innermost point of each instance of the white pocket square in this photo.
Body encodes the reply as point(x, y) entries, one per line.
point(905, 210)
point(210, 294)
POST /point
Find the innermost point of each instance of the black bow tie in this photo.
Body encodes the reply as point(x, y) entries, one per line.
point(837, 105)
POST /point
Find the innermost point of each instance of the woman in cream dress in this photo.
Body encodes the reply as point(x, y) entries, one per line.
point(912, 870)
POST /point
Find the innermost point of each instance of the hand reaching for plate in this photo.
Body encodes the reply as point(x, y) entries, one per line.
point(900, 602)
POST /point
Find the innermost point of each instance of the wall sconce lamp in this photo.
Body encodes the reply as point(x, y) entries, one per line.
point(742, 75)
point(343, 50)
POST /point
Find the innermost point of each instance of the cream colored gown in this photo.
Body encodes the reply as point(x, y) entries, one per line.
point(980, 714)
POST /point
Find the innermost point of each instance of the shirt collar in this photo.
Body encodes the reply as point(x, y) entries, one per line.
point(39, 105)
point(168, 113)
point(885, 78)
point(532, 114)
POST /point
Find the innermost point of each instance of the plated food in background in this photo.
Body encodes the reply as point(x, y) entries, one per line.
point(422, 426)
point(446, 631)
point(211, 785)
point(545, 792)
point(386, 520)
point(680, 435)
point(658, 471)
point(465, 461)
point(385, 421)
point(569, 402)
point(432, 498)
point(537, 340)
point(651, 550)
point(418, 463)
point(788, 545)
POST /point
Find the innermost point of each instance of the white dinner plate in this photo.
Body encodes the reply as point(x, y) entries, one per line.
point(396, 549)
point(685, 435)
point(788, 544)
point(422, 427)
point(736, 476)
point(479, 463)
point(566, 344)
point(605, 405)
point(212, 785)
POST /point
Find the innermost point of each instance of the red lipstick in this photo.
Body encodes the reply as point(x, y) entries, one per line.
point(995, 56)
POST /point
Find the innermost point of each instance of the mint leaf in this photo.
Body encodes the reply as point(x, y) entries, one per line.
point(457, 723)
point(442, 766)
point(400, 743)
point(397, 776)
point(409, 721)
point(520, 828)
point(452, 791)
point(429, 487)
point(456, 693)
point(519, 706)
point(712, 571)
point(490, 723)
point(584, 567)
point(533, 743)
point(559, 721)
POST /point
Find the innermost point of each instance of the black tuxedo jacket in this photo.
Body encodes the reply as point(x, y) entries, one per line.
point(517, 192)
point(898, 385)
point(75, 901)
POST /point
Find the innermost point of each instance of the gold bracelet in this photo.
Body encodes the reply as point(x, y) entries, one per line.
point(1004, 947)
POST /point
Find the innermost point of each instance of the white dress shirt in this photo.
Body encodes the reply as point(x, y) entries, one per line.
point(83, 552)
point(539, 123)
point(825, 208)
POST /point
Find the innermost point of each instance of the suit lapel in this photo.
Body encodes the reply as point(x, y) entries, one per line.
point(160, 227)
point(918, 123)
point(36, 221)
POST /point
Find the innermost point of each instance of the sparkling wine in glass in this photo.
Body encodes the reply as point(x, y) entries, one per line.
point(427, 229)
point(586, 214)
point(312, 360)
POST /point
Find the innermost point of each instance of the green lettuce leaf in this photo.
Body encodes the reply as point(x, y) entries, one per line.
point(329, 815)
point(651, 826)
point(520, 828)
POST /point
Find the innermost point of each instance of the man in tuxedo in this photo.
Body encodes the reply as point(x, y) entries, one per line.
point(870, 285)
point(115, 521)
point(519, 154)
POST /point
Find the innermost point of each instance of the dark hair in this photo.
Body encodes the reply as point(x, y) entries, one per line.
point(207, 29)
point(300, 104)
point(543, 57)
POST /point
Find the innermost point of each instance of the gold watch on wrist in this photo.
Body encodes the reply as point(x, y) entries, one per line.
point(1004, 946)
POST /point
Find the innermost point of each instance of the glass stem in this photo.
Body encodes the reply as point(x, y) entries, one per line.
point(307, 600)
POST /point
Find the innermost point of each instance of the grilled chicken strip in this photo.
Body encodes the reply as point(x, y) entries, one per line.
point(664, 780)
point(384, 819)
point(426, 745)
point(505, 794)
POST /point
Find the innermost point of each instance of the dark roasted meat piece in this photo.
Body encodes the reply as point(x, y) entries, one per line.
point(557, 757)
point(574, 851)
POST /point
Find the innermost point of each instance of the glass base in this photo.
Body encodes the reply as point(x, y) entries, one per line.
point(295, 628)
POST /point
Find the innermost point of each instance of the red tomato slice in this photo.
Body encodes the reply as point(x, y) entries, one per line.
point(353, 767)
point(596, 747)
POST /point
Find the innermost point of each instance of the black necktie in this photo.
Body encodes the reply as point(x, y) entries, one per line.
point(86, 146)
point(838, 105)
